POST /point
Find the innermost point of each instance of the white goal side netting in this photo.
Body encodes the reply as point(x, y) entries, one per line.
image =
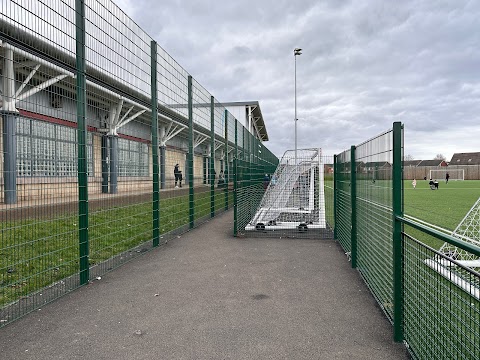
point(294, 198)
point(467, 230)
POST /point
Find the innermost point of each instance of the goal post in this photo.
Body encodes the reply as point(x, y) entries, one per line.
point(294, 198)
point(440, 174)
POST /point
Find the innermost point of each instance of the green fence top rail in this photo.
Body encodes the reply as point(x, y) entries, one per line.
point(439, 235)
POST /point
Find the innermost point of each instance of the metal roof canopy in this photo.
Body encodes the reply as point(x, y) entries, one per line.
point(259, 123)
point(20, 41)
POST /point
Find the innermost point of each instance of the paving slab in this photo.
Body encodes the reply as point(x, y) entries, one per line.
point(209, 295)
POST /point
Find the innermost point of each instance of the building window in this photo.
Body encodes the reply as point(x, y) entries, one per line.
point(49, 150)
point(132, 158)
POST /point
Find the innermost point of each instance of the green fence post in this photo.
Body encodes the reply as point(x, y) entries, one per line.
point(249, 138)
point(156, 186)
point(246, 155)
point(243, 143)
point(191, 197)
point(226, 161)
point(235, 172)
point(82, 149)
point(335, 173)
point(397, 207)
point(235, 200)
point(236, 139)
point(353, 195)
point(204, 169)
point(212, 156)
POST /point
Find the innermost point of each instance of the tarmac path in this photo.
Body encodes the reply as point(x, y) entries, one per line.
point(209, 295)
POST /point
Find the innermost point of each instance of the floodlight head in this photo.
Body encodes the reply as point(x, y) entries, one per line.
point(297, 51)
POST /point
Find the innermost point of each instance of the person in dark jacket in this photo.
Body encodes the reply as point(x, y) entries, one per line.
point(221, 179)
point(266, 181)
point(178, 176)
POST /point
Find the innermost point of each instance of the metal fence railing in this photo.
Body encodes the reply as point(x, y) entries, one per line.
point(249, 191)
point(343, 200)
point(432, 300)
point(441, 317)
point(108, 149)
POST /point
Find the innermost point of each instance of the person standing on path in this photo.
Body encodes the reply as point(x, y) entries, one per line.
point(178, 176)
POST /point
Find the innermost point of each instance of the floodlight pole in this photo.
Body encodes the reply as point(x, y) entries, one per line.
point(296, 51)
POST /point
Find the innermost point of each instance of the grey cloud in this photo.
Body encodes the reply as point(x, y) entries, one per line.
point(364, 65)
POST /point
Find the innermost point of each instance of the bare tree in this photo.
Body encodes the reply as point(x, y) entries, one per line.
point(408, 157)
point(440, 157)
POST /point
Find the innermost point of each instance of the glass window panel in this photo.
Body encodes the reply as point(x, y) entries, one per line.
point(50, 149)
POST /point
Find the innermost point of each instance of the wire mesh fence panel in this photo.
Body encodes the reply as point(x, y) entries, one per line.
point(39, 151)
point(240, 140)
point(249, 192)
point(221, 158)
point(48, 27)
point(172, 86)
point(117, 48)
point(87, 98)
point(328, 179)
point(344, 202)
point(374, 160)
point(441, 304)
point(120, 195)
point(202, 145)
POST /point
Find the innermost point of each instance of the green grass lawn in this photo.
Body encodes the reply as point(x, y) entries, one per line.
point(35, 253)
point(445, 207)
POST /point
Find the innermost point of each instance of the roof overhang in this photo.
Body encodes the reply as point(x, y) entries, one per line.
point(258, 122)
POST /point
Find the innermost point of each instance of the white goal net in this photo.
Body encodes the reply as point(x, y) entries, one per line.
point(441, 174)
point(469, 231)
point(294, 198)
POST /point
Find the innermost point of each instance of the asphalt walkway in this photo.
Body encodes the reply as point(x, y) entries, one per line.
point(208, 295)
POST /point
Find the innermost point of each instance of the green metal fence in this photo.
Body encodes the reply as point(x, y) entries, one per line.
point(249, 191)
point(343, 196)
point(432, 300)
point(364, 213)
point(109, 148)
point(440, 319)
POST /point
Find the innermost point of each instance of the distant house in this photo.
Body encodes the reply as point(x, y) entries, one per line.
point(328, 168)
point(411, 163)
point(433, 163)
point(465, 159)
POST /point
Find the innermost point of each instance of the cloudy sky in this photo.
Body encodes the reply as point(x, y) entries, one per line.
point(365, 64)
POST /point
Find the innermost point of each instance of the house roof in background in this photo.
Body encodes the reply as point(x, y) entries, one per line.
point(432, 163)
point(411, 162)
point(472, 158)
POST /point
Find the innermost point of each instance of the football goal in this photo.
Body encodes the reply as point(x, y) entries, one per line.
point(454, 266)
point(455, 174)
point(294, 198)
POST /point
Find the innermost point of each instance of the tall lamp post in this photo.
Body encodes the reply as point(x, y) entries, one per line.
point(296, 51)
